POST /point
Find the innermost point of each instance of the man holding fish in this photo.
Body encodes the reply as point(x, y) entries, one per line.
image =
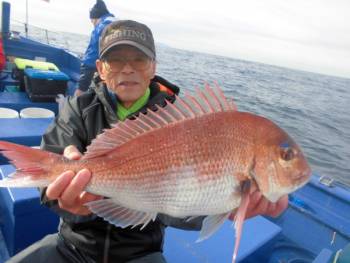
point(156, 164)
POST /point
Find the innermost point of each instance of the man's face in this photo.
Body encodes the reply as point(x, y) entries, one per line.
point(127, 72)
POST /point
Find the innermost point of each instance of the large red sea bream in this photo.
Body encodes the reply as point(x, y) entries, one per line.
point(196, 157)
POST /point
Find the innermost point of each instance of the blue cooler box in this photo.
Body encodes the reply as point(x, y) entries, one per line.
point(20, 64)
point(44, 85)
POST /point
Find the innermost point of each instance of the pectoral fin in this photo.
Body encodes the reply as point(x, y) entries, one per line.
point(119, 215)
point(240, 216)
point(211, 224)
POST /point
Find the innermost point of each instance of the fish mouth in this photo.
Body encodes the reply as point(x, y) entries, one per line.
point(302, 178)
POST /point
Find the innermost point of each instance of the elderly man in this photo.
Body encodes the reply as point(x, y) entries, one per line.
point(126, 86)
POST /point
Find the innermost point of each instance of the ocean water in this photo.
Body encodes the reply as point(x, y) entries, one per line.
point(313, 108)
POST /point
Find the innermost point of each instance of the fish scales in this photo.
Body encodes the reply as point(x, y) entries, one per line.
point(155, 172)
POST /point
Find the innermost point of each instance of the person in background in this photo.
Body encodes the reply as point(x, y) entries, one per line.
point(100, 17)
point(126, 86)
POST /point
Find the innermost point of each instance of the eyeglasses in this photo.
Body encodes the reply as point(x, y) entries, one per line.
point(116, 64)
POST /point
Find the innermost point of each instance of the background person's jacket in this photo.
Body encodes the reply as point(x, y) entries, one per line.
point(79, 122)
point(91, 53)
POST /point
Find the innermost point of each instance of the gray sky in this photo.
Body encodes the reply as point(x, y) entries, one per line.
point(311, 35)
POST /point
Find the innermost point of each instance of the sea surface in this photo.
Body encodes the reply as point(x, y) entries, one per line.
point(313, 108)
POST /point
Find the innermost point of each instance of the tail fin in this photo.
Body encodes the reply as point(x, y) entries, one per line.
point(32, 165)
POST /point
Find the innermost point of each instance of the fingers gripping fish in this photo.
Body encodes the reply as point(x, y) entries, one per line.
point(195, 157)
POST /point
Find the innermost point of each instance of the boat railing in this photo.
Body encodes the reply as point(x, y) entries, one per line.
point(48, 37)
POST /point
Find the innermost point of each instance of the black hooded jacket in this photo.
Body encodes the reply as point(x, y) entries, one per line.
point(79, 122)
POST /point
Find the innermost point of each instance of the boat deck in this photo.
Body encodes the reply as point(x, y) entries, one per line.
point(4, 255)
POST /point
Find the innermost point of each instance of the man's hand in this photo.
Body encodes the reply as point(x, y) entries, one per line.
point(259, 205)
point(69, 187)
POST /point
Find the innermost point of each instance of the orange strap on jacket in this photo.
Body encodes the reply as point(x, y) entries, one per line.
point(165, 89)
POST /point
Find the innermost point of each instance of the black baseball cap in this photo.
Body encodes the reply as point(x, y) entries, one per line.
point(98, 10)
point(127, 32)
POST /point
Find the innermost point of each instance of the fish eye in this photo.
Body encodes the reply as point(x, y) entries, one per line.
point(287, 154)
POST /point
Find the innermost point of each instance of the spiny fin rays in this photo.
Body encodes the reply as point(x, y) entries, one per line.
point(208, 101)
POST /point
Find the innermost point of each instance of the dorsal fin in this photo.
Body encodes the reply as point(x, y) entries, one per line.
point(205, 102)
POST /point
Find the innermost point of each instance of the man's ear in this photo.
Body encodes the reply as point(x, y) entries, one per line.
point(153, 69)
point(101, 69)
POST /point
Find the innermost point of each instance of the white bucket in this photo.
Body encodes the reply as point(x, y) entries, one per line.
point(8, 113)
point(36, 113)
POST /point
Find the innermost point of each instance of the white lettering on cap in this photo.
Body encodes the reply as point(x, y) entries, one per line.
point(126, 34)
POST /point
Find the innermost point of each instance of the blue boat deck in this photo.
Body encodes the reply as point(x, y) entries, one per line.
point(20, 100)
point(4, 255)
point(181, 245)
point(21, 130)
point(23, 219)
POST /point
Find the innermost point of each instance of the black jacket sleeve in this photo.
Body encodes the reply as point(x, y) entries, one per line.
point(67, 129)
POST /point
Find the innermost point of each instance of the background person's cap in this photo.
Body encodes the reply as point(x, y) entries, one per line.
point(98, 10)
point(127, 32)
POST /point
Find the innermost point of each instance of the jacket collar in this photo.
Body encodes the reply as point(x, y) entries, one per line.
point(108, 101)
